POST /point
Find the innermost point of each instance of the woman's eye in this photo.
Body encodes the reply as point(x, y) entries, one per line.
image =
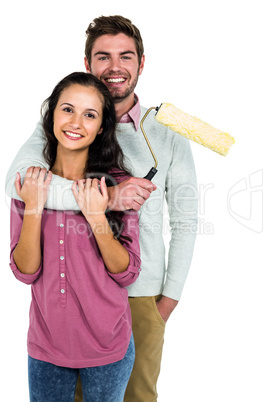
point(67, 109)
point(90, 115)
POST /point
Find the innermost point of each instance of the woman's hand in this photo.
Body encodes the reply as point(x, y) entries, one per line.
point(91, 200)
point(34, 191)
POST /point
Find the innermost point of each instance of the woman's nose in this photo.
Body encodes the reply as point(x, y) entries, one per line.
point(75, 120)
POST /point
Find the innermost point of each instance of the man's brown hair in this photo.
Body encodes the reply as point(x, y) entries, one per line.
point(112, 25)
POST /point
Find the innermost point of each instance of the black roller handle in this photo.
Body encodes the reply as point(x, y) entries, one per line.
point(151, 174)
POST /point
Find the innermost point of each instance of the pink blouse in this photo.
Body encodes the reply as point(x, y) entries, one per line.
point(79, 314)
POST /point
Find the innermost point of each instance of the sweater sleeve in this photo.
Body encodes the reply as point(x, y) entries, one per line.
point(16, 219)
point(131, 229)
point(31, 154)
point(182, 200)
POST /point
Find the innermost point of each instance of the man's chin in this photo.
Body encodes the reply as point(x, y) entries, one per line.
point(119, 97)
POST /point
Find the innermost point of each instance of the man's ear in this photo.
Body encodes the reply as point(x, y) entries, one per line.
point(87, 65)
point(142, 64)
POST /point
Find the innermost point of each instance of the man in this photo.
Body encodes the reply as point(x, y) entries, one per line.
point(114, 53)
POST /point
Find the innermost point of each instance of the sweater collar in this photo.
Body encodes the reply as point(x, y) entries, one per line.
point(133, 115)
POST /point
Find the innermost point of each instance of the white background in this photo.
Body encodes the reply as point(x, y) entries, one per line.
point(209, 58)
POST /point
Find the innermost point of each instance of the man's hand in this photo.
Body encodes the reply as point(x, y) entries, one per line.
point(165, 307)
point(130, 194)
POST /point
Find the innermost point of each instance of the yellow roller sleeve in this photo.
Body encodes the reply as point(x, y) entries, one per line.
point(194, 129)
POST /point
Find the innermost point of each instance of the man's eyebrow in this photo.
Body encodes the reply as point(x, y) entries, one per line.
point(107, 53)
point(127, 52)
point(97, 53)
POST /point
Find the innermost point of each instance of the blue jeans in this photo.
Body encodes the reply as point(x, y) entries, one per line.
point(50, 383)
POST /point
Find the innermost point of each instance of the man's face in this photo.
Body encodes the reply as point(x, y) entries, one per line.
point(114, 60)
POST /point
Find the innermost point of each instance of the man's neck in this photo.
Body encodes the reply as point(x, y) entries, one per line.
point(124, 106)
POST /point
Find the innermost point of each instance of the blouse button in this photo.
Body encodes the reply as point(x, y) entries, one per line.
point(61, 241)
point(61, 225)
point(62, 291)
point(62, 275)
point(61, 257)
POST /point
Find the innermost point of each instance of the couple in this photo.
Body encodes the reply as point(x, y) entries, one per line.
point(85, 282)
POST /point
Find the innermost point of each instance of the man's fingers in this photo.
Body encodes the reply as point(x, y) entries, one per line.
point(134, 191)
point(144, 183)
point(142, 193)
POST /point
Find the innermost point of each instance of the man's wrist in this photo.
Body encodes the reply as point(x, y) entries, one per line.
point(166, 305)
point(110, 191)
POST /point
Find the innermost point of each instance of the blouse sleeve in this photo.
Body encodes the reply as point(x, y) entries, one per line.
point(131, 230)
point(16, 219)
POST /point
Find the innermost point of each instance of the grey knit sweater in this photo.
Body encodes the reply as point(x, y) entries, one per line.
point(176, 183)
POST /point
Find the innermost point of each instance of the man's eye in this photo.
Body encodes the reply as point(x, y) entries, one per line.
point(103, 58)
point(126, 57)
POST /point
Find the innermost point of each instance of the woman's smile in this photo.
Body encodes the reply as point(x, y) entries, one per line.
point(73, 136)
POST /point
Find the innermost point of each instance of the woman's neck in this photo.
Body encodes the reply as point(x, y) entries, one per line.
point(70, 164)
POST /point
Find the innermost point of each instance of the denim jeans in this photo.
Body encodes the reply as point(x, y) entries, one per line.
point(50, 383)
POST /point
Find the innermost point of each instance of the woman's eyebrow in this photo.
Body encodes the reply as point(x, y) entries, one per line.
point(86, 110)
point(66, 103)
point(92, 110)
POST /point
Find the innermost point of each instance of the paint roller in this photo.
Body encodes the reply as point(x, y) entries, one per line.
point(190, 127)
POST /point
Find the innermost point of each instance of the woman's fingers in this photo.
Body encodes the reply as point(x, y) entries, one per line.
point(49, 177)
point(29, 172)
point(88, 184)
point(103, 187)
point(81, 184)
point(74, 189)
point(18, 183)
point(36, 172)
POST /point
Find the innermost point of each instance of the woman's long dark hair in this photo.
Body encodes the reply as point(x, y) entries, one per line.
point(105, 155)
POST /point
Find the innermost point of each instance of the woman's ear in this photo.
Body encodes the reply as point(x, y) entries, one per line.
point(100, 130)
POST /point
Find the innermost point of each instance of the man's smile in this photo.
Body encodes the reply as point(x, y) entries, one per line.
point(115, 80)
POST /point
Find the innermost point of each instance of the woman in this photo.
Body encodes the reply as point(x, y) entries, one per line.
point(78, 264)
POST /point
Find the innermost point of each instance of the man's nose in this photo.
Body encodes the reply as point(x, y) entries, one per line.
point(115, 64)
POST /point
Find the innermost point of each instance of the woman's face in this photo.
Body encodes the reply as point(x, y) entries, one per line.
point(78, 117)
